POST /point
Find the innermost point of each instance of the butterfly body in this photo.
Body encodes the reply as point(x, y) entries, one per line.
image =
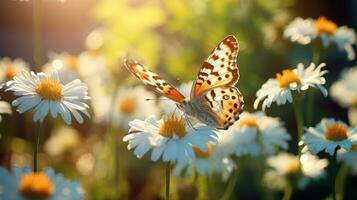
point(214, 100)
point(198, 110)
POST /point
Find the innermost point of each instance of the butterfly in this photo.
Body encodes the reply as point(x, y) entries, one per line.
point(213, 100)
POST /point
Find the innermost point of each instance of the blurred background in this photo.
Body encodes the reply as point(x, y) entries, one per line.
point(173, 37)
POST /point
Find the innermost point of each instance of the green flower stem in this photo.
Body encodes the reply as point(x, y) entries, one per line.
point(341, 180)
point(230, 187)
point(288, 191)
point(333, 174)
point(202, 187)
point(37, 44)
point(112, 130)
point(316, 54)
point(168, 173)
point(299, 121)
point(310, 107)
point(36, 144)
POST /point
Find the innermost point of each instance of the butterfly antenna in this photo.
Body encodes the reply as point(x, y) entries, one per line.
point(161, 99)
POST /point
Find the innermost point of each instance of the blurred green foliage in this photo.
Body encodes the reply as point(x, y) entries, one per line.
point(175, 36)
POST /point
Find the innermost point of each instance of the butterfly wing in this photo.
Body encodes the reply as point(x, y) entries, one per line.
point(219, 107)
point(153, 81)
point(219, 69)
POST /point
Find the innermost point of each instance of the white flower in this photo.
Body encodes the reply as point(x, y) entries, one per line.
point(352, 116)
point(349, 158)
point(280, 89)
point(65, 64)
point(344, 91)
point(168, 106)
point(62, 140)
point(95, 39)
point(169, 138)
point(85, 164)
point(215, 160)
point(86, 66)
point(131, 103)
point(256, 133)
point(46, 94)
point(10, 68)
point(301, 31)
point(284, 165)
point(304, 31)
point(328, 135)
point(93, 65)
point(311, 165)
point(5, 108)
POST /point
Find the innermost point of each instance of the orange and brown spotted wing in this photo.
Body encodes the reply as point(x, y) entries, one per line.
point(219, 69)
point(153, 81)
point(225, 104)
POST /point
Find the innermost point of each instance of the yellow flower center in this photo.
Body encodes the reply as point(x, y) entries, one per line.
point(173, 125)
point(293, 166)
point(127, 106)
point(9, 72)
point(203, 154)
point(36, 185)
point(287, 77)
point(49, 89)
point(336, 132)
point(324, 25)
point(249, 122)
point(72, 62)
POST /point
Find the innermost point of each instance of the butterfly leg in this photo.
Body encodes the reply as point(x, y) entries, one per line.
point(189, 122)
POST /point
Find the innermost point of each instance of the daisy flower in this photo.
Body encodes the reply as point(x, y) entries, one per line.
point(304, 31)
point(85, 164)
point(215, 160)
point(93, 64)
point(170, 138)
point(62, 140)
point(301, 31)
point(86, 66)
point(284, 166)
point(344, 92)
point(329, 135)
point(5, 108)
point(10, 68)
point(96, 39)
point(23, 184)
point(46, 94)
point(65, 64)
point(256, 133)
point(280, 89)
point(131, 103)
